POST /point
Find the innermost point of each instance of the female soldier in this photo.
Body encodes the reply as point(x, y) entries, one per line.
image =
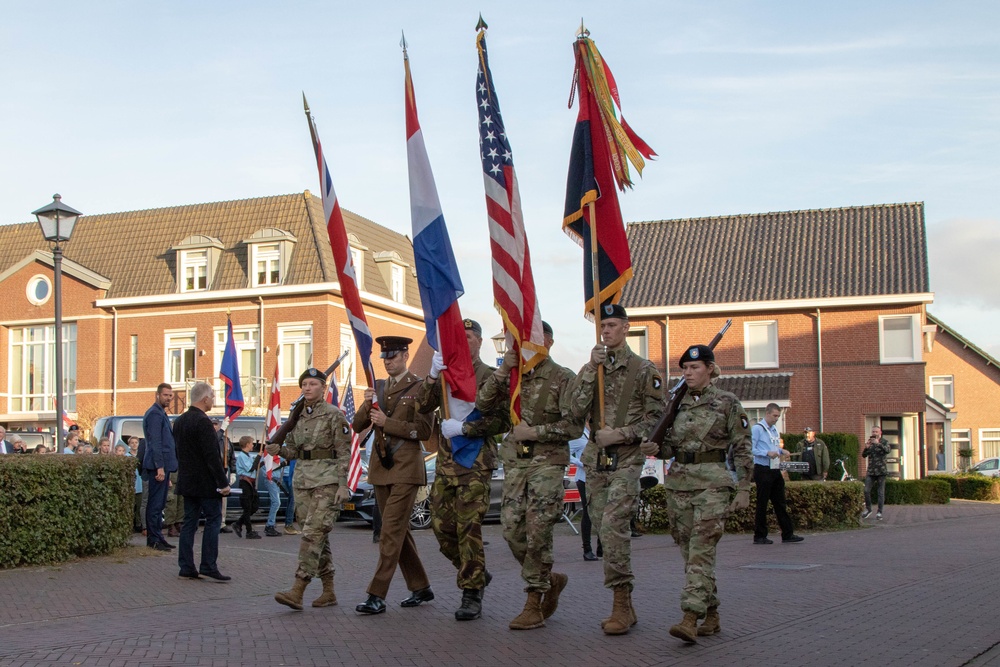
point(710, 424)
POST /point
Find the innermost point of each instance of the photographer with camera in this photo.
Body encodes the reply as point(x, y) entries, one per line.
point(876, 450)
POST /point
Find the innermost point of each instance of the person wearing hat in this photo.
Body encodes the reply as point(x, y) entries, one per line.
point(535, 455)
point(321, 444)
point(814, 451)
point(710, 427)
point(397, 473)
point(460, 495)
point(633, 403)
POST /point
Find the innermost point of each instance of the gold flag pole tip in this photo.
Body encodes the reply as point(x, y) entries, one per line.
point(482, 24)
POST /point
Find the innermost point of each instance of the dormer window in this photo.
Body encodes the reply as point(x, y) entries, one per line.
point(398, 286)
point(269, 255)
point(197, 257)
point(357, 259)
point(393, 270)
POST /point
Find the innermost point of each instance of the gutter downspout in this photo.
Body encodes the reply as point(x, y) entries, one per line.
point(114, 361)
point(819, 363)
point(260, 339)
point(666, 350)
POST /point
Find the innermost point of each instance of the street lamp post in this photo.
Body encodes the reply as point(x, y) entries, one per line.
point(56, 222)
point(500, 344)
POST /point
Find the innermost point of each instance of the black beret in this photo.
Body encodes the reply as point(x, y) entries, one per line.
point(546, 328)
point(472, 325)
point(698, 353)
point(391, 345)
point(312, 373)
point(611, 311)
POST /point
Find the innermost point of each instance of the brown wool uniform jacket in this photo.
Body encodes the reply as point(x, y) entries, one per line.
point(404, 430)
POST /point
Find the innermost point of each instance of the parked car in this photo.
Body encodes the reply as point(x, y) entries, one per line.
point(989, 467)
point(125, 426)
point(34, 438)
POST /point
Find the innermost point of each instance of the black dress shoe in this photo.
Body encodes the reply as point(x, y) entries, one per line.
point(418, 597)
point(168, 545)
point(225, 529)
point(376, 537)
point(488, 577)
point(762, 540)
point(792, 538)
point(373, 605)
point(189, 575)
point(159, 546)
point(216, 575)
point(589, 555)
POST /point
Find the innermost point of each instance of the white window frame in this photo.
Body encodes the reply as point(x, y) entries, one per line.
point(638, 337)
point(758, 324)
point(347, 368)
point(192, 260)
point(989, 446)
point(397, 283)
point(947, 381)
point(45, 394)
point(358, 262)
point(172, 340)
point(133, 368)
point(268, 254)
point(916, 343)
point(289, 334)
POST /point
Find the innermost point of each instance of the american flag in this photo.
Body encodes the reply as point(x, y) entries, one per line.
point(513, 284)
point(354, 469)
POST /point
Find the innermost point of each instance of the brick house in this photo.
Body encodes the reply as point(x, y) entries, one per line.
point(146, 296)
point(965, 381)
point(828, 309)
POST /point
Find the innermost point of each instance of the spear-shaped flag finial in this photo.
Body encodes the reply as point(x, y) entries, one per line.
point(582, 33)
point(481, 25)
point(305, 103)
point(403, 44)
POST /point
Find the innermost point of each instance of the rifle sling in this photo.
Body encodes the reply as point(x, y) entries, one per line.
point(621, 414)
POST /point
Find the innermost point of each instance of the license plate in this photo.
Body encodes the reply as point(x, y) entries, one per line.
point(348, 506)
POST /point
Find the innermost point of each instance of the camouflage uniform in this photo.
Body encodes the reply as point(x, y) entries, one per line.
point(614, 495)
point(710, 425)
point(322, 430)
point(460, 496)
point(533, 479)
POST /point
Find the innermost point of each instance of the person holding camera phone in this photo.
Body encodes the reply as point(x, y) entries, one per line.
point(876, 450)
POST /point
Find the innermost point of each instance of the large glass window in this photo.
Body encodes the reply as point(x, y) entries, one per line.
point(133, 370)
point(245, 340)
point(194, 270)
point(180, 357)
point(761, 347)
point(989, 442)
point(347, 365)
point(295, 343)
point(943, 389)
point(358, 260)
point(33, 368)
point(398, 287)
point(899, 339)
point(636, 340)
point(267, 264)
point(961, 439)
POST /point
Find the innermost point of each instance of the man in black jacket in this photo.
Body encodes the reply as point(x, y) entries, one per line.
point(201, 481)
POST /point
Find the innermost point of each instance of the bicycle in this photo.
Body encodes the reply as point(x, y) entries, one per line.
point(845, 476)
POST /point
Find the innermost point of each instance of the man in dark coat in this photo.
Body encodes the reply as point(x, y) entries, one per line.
point(158, 461)
point(201, 481)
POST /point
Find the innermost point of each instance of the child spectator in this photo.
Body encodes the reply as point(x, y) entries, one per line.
point(138, 512)
point(246, 464)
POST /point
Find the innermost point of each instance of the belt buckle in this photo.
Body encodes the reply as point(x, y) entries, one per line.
point(306, 455)
point(525, 450)
point(607, 462)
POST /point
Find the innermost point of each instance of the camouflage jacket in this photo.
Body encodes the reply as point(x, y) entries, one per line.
point(323, 429)
point(645, 402)
point(713, 421)
point(549, 414)
point(876, 457)
point(489, 426)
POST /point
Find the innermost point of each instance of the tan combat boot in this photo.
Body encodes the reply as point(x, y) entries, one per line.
point(632, 618)
point(620, 620)
point(711, 624)
point(293, 598)
point(550, 601)
point(687, 629)
point(328, 598)
point(531, 617)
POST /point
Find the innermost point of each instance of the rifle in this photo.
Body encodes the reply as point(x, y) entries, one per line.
point(659, 432)
point(296, 411)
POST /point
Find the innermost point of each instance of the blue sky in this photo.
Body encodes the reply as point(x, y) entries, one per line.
point(752, 107)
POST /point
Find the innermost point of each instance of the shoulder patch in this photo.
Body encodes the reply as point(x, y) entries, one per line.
point(743, 420)
point(346, 429)
point(657, 382)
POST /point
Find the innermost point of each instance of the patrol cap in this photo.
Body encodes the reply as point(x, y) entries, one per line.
point(610, 311)
point(74, 427)
point(472, 325)
point(312, 373)
point(393, 345)
point(698, 353)
point(546, 328)
point(809, 429)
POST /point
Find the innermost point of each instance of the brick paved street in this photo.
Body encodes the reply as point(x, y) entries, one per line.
point(916, 589)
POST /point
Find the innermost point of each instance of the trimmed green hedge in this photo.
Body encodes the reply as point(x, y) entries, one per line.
point(839, 446)
point(59, 506)
point(972, 486)
point(929, 491)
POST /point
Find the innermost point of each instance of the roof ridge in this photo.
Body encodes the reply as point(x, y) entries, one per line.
point(761, 214)
point(181, 207)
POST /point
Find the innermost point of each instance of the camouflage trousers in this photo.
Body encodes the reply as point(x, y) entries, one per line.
point(697, 520)
point(614, 498)
point(458, 505)
point(532, 505)
point(173, 511)
point(320, 513)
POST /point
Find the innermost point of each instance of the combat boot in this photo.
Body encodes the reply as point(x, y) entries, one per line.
point(632, 618)
point(293, 598)
point(328, 598)
point(687, 629)
point(531, 617)
point(550, 600)
point(620, 620)
point(472, 605)
point(711, 623)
